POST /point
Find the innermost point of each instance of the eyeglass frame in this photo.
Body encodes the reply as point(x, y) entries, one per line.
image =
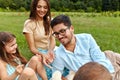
point(61, 32)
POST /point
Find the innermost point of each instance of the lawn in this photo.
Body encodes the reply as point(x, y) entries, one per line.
point(105, 30)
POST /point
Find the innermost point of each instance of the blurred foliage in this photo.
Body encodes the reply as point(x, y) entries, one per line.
point(65, 5)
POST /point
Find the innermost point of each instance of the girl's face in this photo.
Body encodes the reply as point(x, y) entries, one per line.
point(41, 8)
point(10, 47)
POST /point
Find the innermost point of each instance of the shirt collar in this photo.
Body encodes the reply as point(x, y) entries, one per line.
point(65, 49)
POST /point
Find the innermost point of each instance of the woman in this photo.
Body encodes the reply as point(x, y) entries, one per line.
point(12, 64)
point(37, 31)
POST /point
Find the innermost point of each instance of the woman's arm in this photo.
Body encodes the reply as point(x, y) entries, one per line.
point(52, 43)
point(31, 44)
point(51, 49)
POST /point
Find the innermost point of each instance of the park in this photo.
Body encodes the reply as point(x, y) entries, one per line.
point(105, 28)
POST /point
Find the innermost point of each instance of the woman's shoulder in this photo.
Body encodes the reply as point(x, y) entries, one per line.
point(29, 21)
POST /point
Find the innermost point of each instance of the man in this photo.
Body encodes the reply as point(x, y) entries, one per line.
point(75, 50)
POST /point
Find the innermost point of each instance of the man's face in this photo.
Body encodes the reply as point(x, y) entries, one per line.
point(63, 33)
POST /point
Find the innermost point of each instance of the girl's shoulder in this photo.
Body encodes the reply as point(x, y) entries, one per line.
point(3, 68)
point(2, 63)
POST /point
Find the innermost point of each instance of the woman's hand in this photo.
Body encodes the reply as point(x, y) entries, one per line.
point(51, 57)
point(45, 60)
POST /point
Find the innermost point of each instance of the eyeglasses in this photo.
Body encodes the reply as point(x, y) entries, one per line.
point(61, 32)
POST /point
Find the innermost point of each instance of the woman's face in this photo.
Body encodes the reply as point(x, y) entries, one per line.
point(10, 47)
point(41, 9)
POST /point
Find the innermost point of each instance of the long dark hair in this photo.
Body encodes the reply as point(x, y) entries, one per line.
point(6, 37)
point(46, 18)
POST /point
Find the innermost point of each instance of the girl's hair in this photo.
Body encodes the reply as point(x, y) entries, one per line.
point(6, 37)
point(46, 18)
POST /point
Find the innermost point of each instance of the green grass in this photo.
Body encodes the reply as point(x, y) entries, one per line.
point(105, 30)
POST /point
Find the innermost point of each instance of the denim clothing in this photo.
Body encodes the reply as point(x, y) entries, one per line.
point(48, 70)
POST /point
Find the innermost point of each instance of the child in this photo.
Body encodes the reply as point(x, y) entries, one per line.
point(12, 64)
point(92, 71)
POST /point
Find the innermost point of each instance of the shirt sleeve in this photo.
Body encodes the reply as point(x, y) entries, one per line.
point(29, 26)
point(98, 56)
point(58, 64)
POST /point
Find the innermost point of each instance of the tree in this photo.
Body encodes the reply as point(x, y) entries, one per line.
point(5, 3)
point(106, 5)
point(17, 4)
point(115, 5)
point(27, 4)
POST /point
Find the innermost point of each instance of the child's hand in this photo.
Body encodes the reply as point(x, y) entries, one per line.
point(19, 69)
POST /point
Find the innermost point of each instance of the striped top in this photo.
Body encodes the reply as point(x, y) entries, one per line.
point(11, 70)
